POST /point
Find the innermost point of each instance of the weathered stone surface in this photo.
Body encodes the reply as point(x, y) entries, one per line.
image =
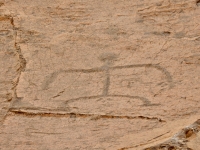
point(91, 74)
point(186, 139)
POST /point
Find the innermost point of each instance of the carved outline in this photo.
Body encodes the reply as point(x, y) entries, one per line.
point(106, 69)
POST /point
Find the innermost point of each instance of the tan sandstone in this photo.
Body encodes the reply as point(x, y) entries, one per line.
point(99, 74)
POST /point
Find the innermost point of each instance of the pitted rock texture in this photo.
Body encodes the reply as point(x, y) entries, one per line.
point(99, 75)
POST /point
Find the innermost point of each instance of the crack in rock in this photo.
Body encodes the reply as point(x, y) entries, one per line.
point(79, 115)
point(21, 61)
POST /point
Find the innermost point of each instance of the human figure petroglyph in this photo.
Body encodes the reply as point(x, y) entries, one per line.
point(108, 61)
point(106, 68)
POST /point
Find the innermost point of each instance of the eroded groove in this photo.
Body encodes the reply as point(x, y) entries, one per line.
point(79, 115)
point(22, 61)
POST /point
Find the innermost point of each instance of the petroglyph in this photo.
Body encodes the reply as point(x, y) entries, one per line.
point(94, 75)
point(109, 71)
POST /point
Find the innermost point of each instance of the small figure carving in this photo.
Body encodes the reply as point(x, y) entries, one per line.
point(108, 60)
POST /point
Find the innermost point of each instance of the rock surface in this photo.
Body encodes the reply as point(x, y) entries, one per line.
point(99, 75)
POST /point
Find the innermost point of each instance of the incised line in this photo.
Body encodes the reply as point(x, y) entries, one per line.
point(145, 101)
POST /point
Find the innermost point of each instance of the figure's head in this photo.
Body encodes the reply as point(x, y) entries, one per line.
point(108, 57)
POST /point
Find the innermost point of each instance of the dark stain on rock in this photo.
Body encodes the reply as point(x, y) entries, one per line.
point(195, 59)
point(198, 2)
point(164, 33)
